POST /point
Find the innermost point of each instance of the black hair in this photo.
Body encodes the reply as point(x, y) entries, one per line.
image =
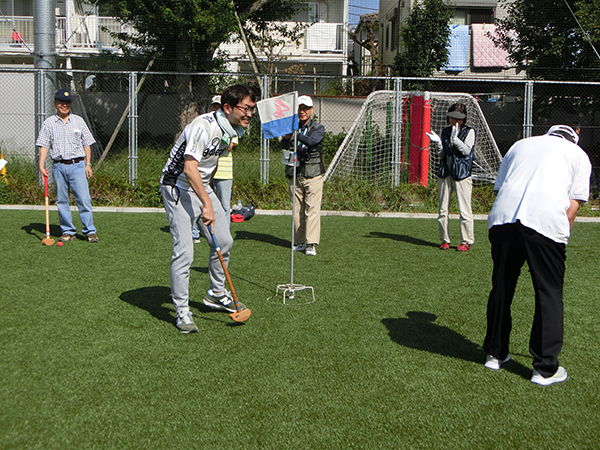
point(576, 126)
point(461, 108)
point(234, 94)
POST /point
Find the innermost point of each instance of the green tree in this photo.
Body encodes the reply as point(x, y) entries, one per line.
point(424, 39)
point(271, 39)
point(183, 35)
point(544, 38)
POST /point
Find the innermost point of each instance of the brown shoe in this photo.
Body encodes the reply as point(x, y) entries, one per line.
point(67, 238)
point(92, 237)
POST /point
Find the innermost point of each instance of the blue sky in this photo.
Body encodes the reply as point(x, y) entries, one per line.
point(359, 7)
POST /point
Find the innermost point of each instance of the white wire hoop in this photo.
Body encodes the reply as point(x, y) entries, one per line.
point(288, 291)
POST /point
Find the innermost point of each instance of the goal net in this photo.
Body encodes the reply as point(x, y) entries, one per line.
point(387, 141)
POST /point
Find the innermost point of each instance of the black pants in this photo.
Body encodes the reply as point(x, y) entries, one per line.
point(512, 245)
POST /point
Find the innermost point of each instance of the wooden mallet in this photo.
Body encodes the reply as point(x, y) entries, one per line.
point(48, 240)
point(241, 314)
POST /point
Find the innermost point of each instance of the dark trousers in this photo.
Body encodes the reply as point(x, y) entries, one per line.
point(512, 245)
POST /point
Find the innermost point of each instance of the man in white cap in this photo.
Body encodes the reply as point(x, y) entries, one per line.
point(224, 170)
point(308, 192)
point(541, 183)
point(223, 179)
point(216, 103)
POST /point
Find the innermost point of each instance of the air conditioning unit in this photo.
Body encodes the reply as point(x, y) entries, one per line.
point(322, 37)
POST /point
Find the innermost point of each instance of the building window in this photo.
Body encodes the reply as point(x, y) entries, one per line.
point(310, 13)
point(467, 16)
point(394, 34)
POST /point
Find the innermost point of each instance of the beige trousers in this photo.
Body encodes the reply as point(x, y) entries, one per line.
point(463, 189)
point(307, 195)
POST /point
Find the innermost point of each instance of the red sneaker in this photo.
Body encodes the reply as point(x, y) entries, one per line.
point(463, 248)
point(445, 246)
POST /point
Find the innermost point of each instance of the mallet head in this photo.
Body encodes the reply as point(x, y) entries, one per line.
point(240, 315)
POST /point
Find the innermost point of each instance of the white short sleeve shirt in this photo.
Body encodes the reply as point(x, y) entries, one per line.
point(537, 178)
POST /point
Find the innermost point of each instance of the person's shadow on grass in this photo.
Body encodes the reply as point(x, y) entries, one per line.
point(35, 229)
point(153, 299)
point(261, 237)
point(157, 301)
point(403, 238)
point(419, 331)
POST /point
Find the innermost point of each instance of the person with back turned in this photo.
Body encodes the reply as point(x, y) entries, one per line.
point(541, 183)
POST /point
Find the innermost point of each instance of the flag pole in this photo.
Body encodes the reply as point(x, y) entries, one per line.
point(277, 116)
point(293, 192)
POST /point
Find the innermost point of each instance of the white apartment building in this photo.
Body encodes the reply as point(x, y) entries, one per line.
point(80, 32)
point(323, 49)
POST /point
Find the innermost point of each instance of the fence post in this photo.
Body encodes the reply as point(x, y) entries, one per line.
point(44, 107)
point(397, 133)
point(264, 142)
point(133, 157)
point(528, 110)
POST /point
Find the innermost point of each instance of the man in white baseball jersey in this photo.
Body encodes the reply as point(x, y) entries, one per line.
point(187, 197)
point(541, 183)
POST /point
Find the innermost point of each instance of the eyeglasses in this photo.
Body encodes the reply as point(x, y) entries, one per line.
point(246, 109)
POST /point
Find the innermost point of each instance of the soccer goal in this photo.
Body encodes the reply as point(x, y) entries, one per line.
point(387, 141)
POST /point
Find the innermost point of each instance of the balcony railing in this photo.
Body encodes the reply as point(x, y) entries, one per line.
point(73, 34)
point(321, 40)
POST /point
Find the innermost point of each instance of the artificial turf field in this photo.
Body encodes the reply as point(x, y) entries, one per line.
point(388, 356)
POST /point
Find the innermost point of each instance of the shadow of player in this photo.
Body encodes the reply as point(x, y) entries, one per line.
point(157, 301)
point(261, 237)
point(402, 238)
point(35, 229)
point(418, 331)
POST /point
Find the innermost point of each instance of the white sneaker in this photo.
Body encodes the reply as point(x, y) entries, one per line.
point(311, 250)
point(223, 302)
point(185, 324)
point(300, 248)
point(558, 377)
point(495, 363)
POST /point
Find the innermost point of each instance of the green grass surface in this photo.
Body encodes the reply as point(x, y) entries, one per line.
point(388, 356)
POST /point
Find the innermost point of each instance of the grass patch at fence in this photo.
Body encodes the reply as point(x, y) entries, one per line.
point(110, 187)
point(388, 356)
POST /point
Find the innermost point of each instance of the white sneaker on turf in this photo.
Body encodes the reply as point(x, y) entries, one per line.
point(185, 324)
point(310, 250)
point(300, 248)
point(558, 377)
point(495, 363)
point(223, 302)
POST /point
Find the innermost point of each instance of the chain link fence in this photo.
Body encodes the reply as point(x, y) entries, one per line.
point(136, 116)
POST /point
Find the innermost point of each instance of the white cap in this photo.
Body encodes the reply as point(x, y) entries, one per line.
point(305, 100)
point(564, 132)
point(216, 99)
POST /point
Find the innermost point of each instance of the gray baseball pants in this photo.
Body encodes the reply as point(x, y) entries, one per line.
point(183, 211)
